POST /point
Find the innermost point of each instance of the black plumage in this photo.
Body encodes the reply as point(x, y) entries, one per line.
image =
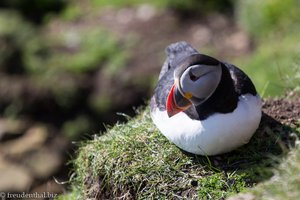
point(234, 82)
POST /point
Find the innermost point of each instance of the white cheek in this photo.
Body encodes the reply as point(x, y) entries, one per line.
point(201, 88)
point(205, 85)
point(188, 85)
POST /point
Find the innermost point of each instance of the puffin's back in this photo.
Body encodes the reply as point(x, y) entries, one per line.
point(176, 52)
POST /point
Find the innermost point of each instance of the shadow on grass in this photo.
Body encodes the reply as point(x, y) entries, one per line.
point(268, 146)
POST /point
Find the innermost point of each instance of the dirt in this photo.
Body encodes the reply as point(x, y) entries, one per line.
point(281, 116)
point(284, 110)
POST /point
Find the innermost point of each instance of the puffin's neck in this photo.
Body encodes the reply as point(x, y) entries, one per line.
point(223, 100)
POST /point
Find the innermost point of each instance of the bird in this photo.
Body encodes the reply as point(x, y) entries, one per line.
point(202, 105)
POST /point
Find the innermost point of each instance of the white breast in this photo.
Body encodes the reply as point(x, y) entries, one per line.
point(220, 133)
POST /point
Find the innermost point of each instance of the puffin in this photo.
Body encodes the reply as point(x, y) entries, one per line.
point(202, 105)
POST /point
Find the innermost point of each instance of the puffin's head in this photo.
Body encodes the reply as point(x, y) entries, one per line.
point(195, 80)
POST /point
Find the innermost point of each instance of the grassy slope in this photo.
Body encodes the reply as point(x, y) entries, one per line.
point(135, 160)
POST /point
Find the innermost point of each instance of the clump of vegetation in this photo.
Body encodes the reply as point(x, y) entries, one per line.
point(134, 160)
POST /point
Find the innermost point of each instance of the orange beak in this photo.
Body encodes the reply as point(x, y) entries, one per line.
point(176, 102)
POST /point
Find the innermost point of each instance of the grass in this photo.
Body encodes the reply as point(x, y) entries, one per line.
point(286, 181)
point(268, 18)
point(273, 66)
point(274, 26)
point(289, 171)
point(134, 160)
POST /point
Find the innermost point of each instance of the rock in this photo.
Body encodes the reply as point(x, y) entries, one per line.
point(239, 42)
point(145, 12)
point(218, 22)
point(11, 126)
point(202, 34)
point(124, 16)
point(43, 163)
point(31, 140)
point(14, 177)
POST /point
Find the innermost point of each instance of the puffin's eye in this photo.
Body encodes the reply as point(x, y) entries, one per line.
point(192, 76)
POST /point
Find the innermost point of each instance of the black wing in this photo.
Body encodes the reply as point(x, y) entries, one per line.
point(242, 82)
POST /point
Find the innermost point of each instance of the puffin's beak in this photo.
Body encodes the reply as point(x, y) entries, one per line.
point(176, 102)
